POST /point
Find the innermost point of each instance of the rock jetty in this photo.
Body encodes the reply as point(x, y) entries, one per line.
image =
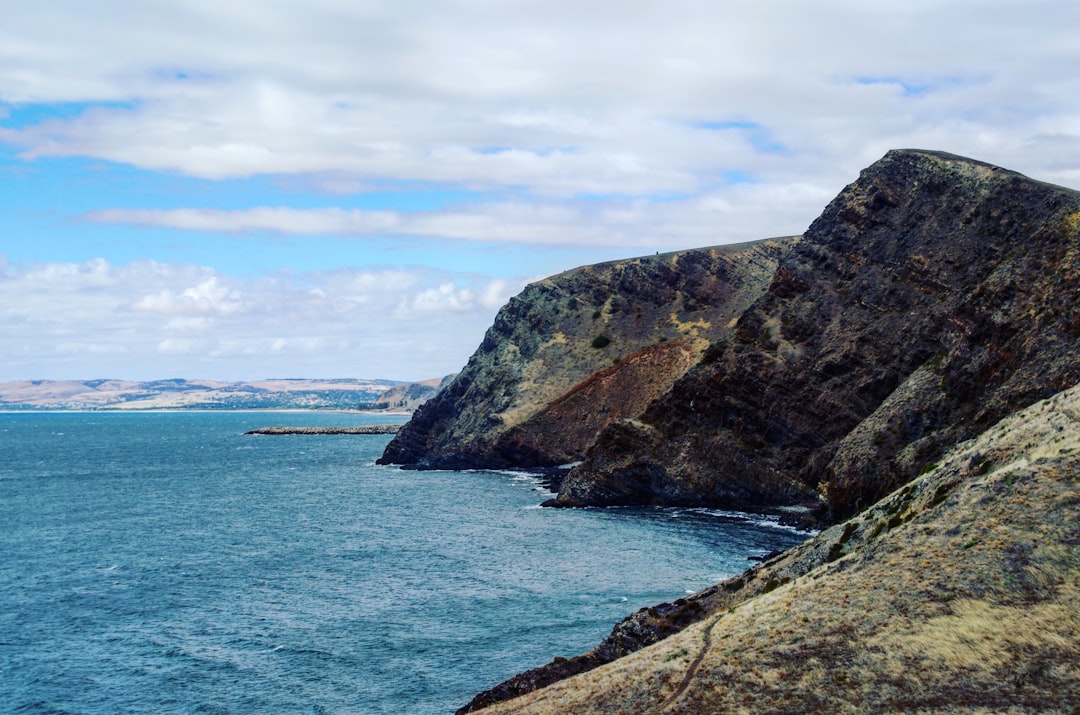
point(363, 429)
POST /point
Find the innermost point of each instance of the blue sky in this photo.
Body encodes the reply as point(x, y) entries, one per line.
point(336, 188)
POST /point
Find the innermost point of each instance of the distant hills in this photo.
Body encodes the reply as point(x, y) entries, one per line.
point(410, 395)
point(336, 394)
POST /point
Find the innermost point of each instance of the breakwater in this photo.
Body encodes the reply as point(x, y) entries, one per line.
point(362, 429)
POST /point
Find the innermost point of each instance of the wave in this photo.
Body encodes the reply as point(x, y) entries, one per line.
point(766, 521)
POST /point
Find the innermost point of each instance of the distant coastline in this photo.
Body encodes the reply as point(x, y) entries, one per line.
point(339, 395)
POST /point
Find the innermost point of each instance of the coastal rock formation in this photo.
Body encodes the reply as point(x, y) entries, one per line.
point(409, 396)
point(958, 592)
point(907, 371)
point(575, 351)
point(933, 296)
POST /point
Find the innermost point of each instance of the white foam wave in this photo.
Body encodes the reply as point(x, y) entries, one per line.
point(765, 521)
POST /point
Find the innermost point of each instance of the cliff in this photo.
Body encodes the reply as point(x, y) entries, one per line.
point(410, 395)
point(932, 297)
point(907, 370)
point(959, 592)
point(575, 351)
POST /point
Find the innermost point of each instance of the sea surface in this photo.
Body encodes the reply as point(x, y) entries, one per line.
point(167, 563)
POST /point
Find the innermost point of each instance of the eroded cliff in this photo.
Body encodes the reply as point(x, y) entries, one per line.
point(933, 296)
point(577, 350)
point(889, 363)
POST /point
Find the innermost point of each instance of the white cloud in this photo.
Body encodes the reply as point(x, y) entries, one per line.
point(446, 298)
point(642, 125)
point(209, 297)
point(153, 320)
point(560, 98)
point(735, 213)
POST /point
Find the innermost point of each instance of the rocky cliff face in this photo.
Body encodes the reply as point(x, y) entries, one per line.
point(410, 395)
point(577, 350)
point(887, 364)
point(932, 297)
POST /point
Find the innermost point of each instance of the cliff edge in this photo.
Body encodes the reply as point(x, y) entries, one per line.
point(932, 297)
point(573, 352)
point(907, 371)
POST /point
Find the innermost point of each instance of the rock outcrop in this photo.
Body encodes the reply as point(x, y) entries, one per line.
point(958, 592)
point(884, 371)
point(409, 396)
point(934, 296)
point(575, 351)
point(361, 429)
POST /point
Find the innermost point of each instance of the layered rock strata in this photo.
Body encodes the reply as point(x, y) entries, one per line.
point(933, 296)
point(575, 351)
point(887, 364)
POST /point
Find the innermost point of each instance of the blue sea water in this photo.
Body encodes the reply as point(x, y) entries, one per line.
point(167, 563)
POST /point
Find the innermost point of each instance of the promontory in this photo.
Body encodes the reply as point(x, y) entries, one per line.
point(902, 375)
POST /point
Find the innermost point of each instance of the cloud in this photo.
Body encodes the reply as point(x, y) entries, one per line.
point(744, 211)
point(153, 320)
point(627, 127)
point(556, 98)
point(209, 297)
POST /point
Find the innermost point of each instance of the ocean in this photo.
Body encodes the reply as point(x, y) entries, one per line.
point(167, 563)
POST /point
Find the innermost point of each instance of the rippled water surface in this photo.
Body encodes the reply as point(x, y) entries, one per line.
point(165, 562)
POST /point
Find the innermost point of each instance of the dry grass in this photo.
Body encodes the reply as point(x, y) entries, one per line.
point(957, 593)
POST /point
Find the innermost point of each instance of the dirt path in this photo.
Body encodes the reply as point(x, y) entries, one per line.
point(691, 671)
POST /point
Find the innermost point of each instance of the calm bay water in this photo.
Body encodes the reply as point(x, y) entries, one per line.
point(165, 562)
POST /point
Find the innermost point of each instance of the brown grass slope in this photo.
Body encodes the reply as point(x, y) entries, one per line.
point(932, 297)
point(959, 593)
point(549, 341)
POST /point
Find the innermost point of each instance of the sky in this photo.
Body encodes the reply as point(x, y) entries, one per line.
point(352, 188)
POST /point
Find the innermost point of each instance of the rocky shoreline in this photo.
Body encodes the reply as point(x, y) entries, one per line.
point(904, 374)
point(363, 429)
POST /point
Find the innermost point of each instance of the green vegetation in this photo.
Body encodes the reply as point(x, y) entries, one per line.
point(676, 654)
